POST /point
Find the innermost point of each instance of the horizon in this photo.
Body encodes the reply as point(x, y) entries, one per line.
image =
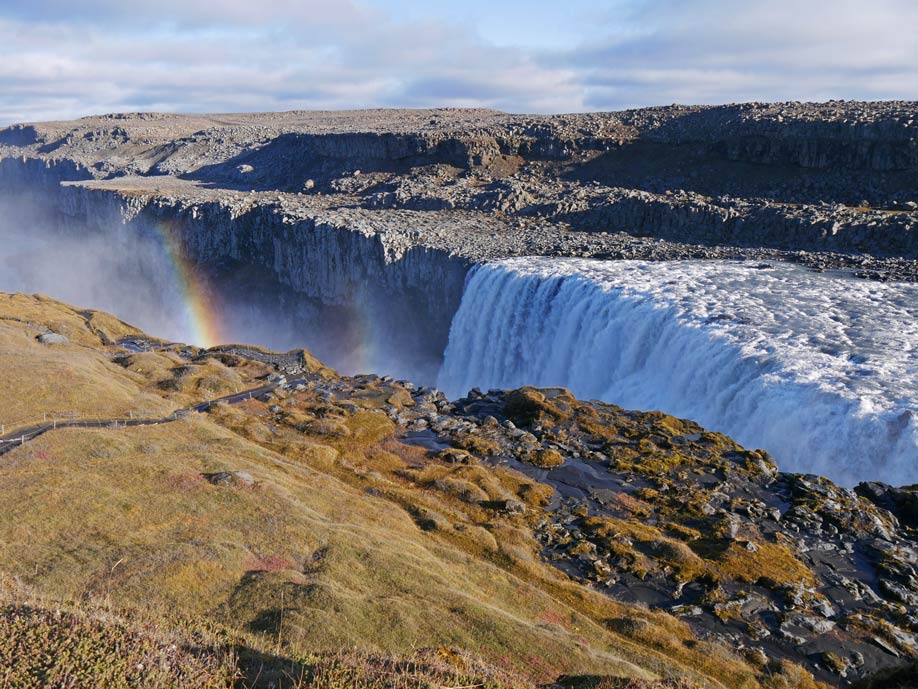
point(59, 62)
point(433, 108)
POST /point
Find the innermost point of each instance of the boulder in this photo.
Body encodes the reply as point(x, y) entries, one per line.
point(901, 502)
point(52, 339)
point(242, 479)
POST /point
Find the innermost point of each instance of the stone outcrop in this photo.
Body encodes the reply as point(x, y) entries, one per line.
point(658, 511)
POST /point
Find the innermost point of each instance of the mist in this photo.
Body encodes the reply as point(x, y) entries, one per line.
point(127, 271)
point(116, 271)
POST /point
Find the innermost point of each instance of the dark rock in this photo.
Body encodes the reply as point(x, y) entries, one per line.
point(901, 502)
point(242, 479)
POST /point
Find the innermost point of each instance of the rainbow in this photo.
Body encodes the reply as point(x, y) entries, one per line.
point(200, 301)
point(362, 351)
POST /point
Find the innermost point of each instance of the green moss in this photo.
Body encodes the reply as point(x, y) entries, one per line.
point(477, 445)
point(528, 405)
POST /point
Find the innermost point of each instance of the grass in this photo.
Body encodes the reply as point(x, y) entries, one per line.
point(56, 648)
point(78, 645)
point(76, 377)
point(126, 515)
point(349, 553)
point(88, 376)
point(690, 557)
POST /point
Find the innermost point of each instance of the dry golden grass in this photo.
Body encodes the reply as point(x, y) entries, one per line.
point(347, 539)
point(302, 557)
point(63, 645)
point(719, 560)
point(88, 376)
point(767, 560)
point(79, 376)
point(83, 327)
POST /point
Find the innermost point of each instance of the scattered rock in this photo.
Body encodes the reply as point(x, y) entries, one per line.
point(52, 339)
point(241, 479)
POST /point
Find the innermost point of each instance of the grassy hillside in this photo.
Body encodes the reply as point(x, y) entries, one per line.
point(286, 539)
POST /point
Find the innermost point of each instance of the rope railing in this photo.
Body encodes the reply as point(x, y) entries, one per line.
point(59, 417)
point(31, 428)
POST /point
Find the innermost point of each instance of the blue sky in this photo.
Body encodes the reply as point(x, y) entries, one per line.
point(64, 59)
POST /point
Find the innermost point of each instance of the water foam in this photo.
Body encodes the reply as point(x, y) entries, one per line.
point(821, 370)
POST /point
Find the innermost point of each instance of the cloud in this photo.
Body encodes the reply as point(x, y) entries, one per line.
point(131, 13)
point(711, 51)
point(63, 59)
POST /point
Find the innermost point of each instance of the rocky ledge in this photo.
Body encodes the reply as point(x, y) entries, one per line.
point(657, 510)
point(829, 184)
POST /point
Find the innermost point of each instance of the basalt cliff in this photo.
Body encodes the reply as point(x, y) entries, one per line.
point(339, 211)
point(317, 526)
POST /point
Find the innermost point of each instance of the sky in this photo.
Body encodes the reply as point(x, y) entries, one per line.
point(61, 59)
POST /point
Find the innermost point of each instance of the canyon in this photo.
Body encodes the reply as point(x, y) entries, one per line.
point(354, 233)
point(751, 267)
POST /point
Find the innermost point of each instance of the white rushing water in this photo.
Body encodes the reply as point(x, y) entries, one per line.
point(820, 370)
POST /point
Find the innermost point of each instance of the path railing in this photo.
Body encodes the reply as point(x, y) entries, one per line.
point(26, 430)
point(57, 417)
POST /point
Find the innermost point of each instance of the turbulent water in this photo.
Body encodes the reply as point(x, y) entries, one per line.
point(820, 370)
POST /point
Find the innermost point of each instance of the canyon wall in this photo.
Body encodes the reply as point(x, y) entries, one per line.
point(361, 300)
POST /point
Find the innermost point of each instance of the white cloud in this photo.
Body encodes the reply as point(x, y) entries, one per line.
point(711, 51)
point(176, 55)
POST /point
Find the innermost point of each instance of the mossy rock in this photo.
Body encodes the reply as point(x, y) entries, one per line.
point(536, 494)
point(547, 459)
point(528, 405)
point(454, 455)
point(477, 445)
point(400, 399)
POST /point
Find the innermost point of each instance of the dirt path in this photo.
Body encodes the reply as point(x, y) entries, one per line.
point(21, 436)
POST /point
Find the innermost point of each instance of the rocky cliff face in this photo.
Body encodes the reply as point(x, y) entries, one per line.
point(836, 177)
point(363, 224)
point(362, 299)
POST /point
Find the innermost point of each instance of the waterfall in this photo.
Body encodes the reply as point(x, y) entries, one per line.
point(819, 370)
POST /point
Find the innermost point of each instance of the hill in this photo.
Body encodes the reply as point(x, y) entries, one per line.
point(331, 526)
